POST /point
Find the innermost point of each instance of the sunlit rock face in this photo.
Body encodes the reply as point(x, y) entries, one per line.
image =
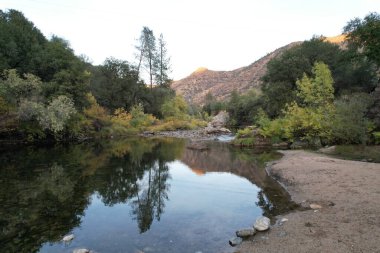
point(221, 83)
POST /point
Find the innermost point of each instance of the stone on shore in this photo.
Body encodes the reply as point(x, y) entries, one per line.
point(81, 251)
point(68, 238)
point(262, 223)
point(315, 206)
point(235, 241)
point(245, 232)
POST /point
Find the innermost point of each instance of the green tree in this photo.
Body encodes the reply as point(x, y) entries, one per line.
point(116, 84)
point(365, 34)
point(175, 107)
point(350, 124)
point(309, 119)
point(21, 43)
point(317, 91)
point(350, 71)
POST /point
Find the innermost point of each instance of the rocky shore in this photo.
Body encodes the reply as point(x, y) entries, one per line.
point(341, 200)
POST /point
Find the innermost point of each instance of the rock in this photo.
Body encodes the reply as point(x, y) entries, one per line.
point(220, 120)
point(68, 238)
point(224, 130)
point(235, 241)
point(327, 150)
point(81, 251)
point(148, 133)
point(299, 144)
point(262, 223)
point(216, 130)
point(245, 232)
point(315, 206)
point(282, 221)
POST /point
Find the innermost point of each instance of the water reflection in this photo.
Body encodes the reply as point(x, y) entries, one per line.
point(45, 193)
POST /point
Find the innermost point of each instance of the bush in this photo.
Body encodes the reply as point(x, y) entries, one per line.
point(173, 124)
point(350, 125)
point(376, 136)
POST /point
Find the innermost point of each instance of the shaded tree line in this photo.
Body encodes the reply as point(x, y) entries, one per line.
point(47, 92)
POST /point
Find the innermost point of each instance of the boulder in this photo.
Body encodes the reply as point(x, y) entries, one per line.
point(262, 223)
point(245, 232)
point(219, 120)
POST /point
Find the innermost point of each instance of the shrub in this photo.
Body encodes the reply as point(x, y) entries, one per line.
point(376, 136)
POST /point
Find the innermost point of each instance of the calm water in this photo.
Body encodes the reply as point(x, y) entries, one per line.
point(138, 195)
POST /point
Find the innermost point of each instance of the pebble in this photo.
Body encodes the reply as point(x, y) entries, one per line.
point(235, 241)
point(262, 223)
point(315, 206)
point(282, 221)
point(68, 238)
point(81, 251)
point(245, 232)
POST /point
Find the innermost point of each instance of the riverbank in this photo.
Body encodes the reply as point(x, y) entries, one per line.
point(346, 216)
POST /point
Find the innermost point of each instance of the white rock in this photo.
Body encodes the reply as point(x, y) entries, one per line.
point(315, 206)
point(262, 223)
point(68, 238)
point(81, 251)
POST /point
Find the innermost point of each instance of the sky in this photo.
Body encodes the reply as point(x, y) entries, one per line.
point(216, 34)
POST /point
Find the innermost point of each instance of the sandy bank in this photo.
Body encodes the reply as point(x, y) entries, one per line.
point(349, 193)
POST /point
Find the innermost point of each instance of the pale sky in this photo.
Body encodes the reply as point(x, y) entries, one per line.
point(217, 34)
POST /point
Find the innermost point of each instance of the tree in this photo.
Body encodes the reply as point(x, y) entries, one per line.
point(21, 43)
point(310, 118)
point(318, 91)
point(24, 48)
point(147, 56)
point(175, 107)
point(350, 71)
point(365, 34)
point(116, 84)
point(350, 124)
point(163, 62)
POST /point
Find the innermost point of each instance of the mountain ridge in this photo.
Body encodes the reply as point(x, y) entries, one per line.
point(220, 84)
point(195, 87)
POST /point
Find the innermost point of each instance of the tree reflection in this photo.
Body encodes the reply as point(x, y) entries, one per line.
point(150, 201)
point(44, 191)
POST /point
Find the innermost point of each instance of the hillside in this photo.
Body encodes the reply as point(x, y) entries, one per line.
point(220, 84)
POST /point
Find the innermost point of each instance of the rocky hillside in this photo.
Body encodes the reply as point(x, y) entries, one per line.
point(220, 84)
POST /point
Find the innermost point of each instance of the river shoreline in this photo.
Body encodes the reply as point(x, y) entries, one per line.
point(346, 194)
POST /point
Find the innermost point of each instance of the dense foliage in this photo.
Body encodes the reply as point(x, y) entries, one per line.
point(319, 92)
point(47, 92)
point(351, 72)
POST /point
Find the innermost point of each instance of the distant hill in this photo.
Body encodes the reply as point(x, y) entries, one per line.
point(220, 84)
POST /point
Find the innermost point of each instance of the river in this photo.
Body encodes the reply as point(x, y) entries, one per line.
point(133, 195)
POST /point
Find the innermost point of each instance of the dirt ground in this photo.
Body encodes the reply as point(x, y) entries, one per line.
point(347, 191)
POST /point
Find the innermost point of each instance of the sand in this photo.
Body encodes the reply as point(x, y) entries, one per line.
point(348, 193)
